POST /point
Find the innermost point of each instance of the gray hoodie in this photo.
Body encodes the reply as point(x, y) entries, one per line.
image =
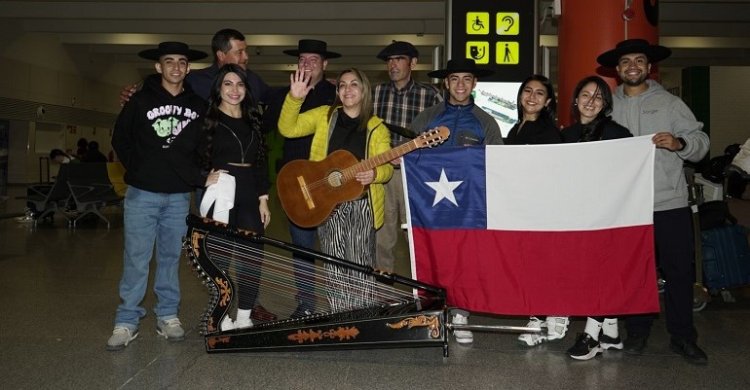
point(656, 110)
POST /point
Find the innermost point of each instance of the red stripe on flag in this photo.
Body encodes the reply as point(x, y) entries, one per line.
point(603, 272)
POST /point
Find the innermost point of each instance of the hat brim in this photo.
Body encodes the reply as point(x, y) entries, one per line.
point(655, 53)
point(443, 73)
point(325, 54)
point(156, 54)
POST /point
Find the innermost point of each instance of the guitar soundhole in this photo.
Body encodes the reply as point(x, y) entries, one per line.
point(335, 179)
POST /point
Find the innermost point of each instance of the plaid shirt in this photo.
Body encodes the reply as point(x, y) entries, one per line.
point(399, 107)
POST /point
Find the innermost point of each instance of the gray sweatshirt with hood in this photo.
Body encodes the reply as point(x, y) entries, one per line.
point(656, 110)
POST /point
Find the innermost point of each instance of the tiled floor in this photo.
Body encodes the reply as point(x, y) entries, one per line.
point(58, 293)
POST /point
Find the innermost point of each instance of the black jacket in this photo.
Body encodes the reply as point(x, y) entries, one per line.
point(610, 130)
point(533, 133)
point(144, 130)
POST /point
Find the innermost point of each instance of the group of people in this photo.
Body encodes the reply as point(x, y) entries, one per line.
point(214, 114)
point(86, 152)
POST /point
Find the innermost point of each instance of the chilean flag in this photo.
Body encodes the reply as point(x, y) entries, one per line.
point(536, 230)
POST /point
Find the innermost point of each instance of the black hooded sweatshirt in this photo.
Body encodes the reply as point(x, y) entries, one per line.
point(145, 129)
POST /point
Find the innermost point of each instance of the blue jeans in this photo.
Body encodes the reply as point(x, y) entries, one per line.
point(304, 269)
point(150, 218)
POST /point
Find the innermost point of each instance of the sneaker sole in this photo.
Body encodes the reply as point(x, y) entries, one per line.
point(162, 334)
point(120, 347)
point(526, 344)
point(606, 346)
point(592, 354)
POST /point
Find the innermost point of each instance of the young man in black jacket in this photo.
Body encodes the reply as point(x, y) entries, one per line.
point(157, 200)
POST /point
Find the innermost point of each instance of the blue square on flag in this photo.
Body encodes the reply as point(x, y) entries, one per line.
point(447, 187)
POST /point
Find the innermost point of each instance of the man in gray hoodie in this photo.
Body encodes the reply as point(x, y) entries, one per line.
point(645, 108)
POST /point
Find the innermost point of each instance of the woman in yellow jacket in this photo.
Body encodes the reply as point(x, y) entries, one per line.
point(350, 125)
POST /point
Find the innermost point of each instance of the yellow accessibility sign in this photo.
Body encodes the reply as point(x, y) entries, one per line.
point(507, 23)
point(506, 53)
point(477, 23)
point(478, 51)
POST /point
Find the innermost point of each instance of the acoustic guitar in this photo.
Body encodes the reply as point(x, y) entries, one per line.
point(310, 190)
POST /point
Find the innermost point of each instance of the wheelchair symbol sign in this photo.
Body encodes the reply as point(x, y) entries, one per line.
point(477, 23)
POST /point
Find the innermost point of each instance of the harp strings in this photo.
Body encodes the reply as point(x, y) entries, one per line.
point(248, 264)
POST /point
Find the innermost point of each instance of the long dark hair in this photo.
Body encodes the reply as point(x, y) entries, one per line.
point(593, 130)
point(366, 105)
point(548, 112)
point(248, 107)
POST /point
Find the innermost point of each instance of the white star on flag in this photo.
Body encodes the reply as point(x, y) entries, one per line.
point(444, 188)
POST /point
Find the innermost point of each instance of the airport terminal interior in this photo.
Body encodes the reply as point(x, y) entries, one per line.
point(62, 66)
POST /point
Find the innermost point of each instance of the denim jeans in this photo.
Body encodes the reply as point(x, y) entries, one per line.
point(304, 269)
point(151, 218)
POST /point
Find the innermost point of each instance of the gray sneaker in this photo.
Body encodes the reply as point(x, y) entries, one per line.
point(120, 338)
point(171, 329)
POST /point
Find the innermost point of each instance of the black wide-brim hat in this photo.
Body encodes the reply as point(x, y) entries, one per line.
point(655, 53)
point(460, 65)
point(172, 48)
point(398, 48)
point(312, 46)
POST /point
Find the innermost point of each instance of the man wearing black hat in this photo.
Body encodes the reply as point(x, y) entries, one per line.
point(312, 57)
point(157, 200)
point(645, 108)
point(469, 124)
point(229, 47)
point(398, 102)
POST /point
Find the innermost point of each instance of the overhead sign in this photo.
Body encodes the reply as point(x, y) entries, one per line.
point(497, 35)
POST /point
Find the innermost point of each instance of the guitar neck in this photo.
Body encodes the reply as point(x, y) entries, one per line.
point(380, 159)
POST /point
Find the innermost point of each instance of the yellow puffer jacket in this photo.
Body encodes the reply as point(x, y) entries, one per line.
point(292, 124)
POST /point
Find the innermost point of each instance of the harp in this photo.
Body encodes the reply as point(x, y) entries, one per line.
point(355, 306)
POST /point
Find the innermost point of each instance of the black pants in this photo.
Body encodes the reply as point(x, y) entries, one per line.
point(675, 252)
point(246, 215)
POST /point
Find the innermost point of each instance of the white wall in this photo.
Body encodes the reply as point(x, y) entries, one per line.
point(36, 67)
point(730, 101)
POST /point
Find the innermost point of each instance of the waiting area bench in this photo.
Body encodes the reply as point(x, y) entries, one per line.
point(80, 190)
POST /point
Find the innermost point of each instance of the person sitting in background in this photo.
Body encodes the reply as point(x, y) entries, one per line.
point(93, 155)
point(83, 147)
point(591, 109)
point(59, 157)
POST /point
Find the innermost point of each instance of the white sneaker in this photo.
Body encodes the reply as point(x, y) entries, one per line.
point(243, 319)
point(532, 339)
point(557, 327)
point(170, 329)
point(226, 323)
point(120, 338)
point(462, 336)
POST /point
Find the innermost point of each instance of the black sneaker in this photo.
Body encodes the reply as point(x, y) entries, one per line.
point(635, 344)
point(585, 347)
point(689, 350)
point(607, 342)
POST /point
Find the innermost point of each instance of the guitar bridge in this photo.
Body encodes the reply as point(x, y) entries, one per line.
point(305, 192)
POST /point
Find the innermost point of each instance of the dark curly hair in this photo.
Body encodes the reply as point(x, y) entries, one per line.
point(250, 112)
